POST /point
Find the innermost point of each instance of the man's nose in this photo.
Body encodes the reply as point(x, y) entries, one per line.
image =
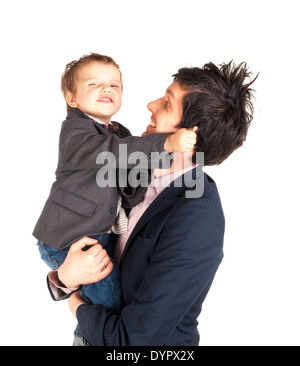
point(152, 106)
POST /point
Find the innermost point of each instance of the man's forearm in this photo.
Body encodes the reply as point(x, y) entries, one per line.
point(57, 290)
point(75, 300)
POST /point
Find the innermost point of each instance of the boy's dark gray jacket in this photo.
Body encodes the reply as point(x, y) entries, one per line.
point(77, 206)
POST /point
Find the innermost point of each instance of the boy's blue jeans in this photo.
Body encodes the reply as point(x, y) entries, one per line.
point(106, 292)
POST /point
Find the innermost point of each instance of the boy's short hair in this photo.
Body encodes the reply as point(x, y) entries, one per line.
point(69, 77)
point(219, 102)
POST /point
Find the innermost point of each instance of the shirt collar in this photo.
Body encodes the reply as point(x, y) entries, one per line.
point(98, 120)
point(167, 179)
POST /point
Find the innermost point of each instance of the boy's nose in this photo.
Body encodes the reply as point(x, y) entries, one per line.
point(106, 89)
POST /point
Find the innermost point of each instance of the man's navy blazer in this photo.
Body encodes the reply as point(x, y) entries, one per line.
point(167, 268)
point(76, 205)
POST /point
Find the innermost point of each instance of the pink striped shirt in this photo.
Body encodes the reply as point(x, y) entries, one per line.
point(156, 186)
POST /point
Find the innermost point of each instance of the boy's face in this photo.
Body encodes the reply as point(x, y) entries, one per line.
point(99, 90)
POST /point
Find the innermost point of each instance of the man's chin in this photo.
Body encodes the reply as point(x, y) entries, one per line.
point(149, 131)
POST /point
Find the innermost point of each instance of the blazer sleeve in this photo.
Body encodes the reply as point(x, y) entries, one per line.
point(80, 144)
point(182, 269)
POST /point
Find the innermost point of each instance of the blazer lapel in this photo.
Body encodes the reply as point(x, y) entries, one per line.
point(167, 198)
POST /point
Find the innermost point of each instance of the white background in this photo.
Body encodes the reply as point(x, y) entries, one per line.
point(255, 297)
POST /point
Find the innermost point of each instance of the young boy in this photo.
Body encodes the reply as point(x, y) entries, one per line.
point(77, 206)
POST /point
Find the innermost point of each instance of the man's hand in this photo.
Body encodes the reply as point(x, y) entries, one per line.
point(182, 140)
point(84, 267)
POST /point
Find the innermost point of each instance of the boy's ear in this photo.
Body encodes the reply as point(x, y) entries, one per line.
point(71, 100)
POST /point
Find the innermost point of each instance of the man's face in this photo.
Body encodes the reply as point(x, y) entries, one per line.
point(99, 90)
point(166, 111)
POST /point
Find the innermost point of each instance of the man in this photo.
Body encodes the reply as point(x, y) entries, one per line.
point(174, 246)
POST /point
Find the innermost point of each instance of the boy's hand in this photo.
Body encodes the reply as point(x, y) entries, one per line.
point(182, 140)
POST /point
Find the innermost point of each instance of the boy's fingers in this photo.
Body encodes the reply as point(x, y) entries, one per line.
point(192, 138)
point(194, 129)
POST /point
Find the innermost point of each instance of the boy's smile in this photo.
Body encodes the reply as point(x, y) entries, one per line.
point(98, 90)
point(105, 100)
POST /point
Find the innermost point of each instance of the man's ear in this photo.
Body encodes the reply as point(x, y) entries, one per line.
point(71, 100)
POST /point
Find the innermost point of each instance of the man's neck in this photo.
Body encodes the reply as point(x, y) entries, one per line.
point(180, 162)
